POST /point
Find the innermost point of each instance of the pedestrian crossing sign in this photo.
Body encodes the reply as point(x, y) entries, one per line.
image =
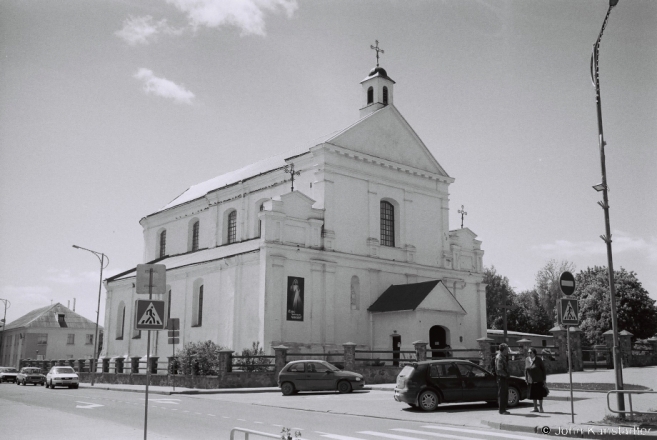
point(569, 311)
point(149, 315)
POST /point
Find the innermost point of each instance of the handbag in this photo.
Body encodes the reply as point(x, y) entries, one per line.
point(546, 389)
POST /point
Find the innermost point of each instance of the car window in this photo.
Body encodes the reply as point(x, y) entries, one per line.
point(318, 367)
point(297, 368)
point(11, 370)
point(406, 371)
point(470, 371)
point(443, 370)
point(64, 370)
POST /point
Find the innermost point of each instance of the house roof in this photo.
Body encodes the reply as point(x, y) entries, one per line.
point(47, 317)
point(403, 297)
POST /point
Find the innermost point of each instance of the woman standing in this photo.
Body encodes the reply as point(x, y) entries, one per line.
point(535, 377)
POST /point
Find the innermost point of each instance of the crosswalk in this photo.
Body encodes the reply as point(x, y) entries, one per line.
point(430, 432)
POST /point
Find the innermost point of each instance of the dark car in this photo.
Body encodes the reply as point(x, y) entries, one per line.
point(8, 374)
point(310, 375)
point(31, 375)
point(429, 383)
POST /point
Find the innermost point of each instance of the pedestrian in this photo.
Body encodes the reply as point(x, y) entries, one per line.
point(535, 377)
point(502, 371)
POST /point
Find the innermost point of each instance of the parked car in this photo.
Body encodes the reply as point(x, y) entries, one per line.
point(31, 375)
point(62, 376)
point(312, 375)
point(8, 374)
point(429, 383)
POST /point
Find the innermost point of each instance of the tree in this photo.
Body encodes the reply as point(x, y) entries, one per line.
point(254, 359)
point(636, 311)
point(536, 317)
point(547, 285)
point(496, 289)
point(200, 356)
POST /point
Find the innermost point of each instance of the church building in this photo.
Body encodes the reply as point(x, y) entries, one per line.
point(347, 240)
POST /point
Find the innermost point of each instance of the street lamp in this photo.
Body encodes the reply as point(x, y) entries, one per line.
point(101, 257)
point(4, 324)
point(602, 187)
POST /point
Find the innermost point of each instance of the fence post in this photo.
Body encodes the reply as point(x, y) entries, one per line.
point(118, 365)
point(134, 364)
point(172, 365)
point(81, 365)
point(281, 357)
point(485, 353)
point(349, 355)
point(61, 362)
point(625, 343)
point(653, 344)
point(225, 361)
point(105, 362)
point(526, 344)
point(560, 343)
point(576, 348)
point(420, 350)
point(153, 366)
point(71, 363)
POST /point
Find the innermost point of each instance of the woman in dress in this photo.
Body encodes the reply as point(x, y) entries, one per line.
point(535, 377)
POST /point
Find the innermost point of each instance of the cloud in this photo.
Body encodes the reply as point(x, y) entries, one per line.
point(163, 87)
point(247, 15)
point(621, 242)
point(143, 30)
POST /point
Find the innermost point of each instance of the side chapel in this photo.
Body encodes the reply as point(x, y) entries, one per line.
point(360, 251)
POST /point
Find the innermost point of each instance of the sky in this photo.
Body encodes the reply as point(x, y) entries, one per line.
point(109, 109)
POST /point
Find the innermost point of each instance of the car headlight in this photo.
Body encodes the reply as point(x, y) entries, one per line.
point(357, 379)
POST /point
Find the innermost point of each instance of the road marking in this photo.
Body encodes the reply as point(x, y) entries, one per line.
point(436, 434)
point(167, 401)
point(198, 414)
point(341, 437)
point(211, 415)
point(472, 431)
point(280, 426)
point(259, 423)
point(225, 417)
point(241, 420)
point(88, 405)
point(397, 437)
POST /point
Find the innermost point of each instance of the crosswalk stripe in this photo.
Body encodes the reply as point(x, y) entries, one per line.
point(383, 434)
point(341, 437)
point(437, 434)
point(473, 431)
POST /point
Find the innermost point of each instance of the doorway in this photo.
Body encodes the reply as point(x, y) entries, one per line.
point(396, 346)
point(437, 341)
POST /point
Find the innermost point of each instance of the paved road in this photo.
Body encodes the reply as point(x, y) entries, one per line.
point(28, 413)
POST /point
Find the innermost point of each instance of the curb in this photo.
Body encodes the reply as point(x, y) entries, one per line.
point(601, 432)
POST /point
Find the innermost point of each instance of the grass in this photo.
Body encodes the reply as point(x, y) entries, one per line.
point(639, 420)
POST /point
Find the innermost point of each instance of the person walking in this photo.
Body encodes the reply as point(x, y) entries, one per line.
point(502, 371)
point(535, 377)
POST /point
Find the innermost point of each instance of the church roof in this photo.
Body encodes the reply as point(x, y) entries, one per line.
point(402, 297)
point(46, 317)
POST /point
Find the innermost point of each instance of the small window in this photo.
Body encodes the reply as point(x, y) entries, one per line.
point(297, 368)
point(169, 306)
point(163, 243)
point(197, 307)
point(471, 371)
point(232, 227)
point(89, 339)
point(71, 339)
point(370, 95)
point(262, 208)
point(387, 224)
point(61, 319)
point(385, 95)
point(42, 339)
point(120, 321)
point(195, 229)
point(355, 293)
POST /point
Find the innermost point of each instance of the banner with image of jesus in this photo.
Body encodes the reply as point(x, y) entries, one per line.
point(294, 299)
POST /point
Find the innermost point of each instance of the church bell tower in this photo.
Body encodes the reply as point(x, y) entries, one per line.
point(377, 87)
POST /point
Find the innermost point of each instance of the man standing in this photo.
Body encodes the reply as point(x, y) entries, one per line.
point(502, 371)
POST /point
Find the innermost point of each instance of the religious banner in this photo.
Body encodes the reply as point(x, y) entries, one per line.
point(294, 299)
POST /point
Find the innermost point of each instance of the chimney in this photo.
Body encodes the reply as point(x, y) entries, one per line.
point(74, 304)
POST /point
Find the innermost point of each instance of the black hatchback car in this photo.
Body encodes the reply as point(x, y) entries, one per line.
point(429, 383)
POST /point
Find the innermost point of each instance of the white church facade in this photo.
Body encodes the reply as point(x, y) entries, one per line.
point(359, 252)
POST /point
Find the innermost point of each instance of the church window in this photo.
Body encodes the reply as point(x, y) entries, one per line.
point(262, 208)
point(385, 95)
point(70, 339)
point(197, 307)
point(387, 224)
point(370, 95)
point(195, 228)
point(120, 321)
point(232, 227)
point(169, 305)
point(88, 339)
point(163, 243)
point(355, 293)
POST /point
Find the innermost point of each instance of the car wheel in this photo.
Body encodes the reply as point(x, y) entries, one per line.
point(75, 387)
point(52, 385)
point(344, 387)
point(287, 388)
point(514, 397)
point(41, 383)
point(428, 400)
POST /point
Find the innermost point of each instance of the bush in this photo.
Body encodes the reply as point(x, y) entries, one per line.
point(254, 360)
point(200, 358)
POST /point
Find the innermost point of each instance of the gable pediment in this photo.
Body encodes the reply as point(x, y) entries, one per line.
point(386, 134)
point(440, 299)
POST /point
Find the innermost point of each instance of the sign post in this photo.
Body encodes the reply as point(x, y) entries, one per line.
point(569, 316)
point(174, 331)
point(150, 279)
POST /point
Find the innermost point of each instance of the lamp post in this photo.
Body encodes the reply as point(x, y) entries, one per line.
point(101, 257)
point(602, 187)
point(4, 324)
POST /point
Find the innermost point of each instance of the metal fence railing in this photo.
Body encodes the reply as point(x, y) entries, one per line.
point(629, 393)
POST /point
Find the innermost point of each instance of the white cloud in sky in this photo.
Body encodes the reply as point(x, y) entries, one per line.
point(622, 242)
point(163, 87)
point(144, 30)
point(247, 15)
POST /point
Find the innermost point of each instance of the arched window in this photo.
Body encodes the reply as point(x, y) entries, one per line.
point(262, 208)
point(195, 228)
point(163, 243)
point(197, 306)
point(387, 224)
point(355, 293)
point(370, 95)
point(120, 320)
point(168, 303)
point(385, 95)
point(232, 227)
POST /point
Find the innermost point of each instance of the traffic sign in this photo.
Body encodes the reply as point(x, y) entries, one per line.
point(174, 341)
point(173, 325)
point(569, 311)
point(151, 279)
point(149, 315)
point(567, 283)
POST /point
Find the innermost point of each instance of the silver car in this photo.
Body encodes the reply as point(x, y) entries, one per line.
point(62, 376)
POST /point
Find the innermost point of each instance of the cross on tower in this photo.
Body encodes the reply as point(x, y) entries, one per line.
point(462, 212)
point(376, 48)
point(289, 169)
